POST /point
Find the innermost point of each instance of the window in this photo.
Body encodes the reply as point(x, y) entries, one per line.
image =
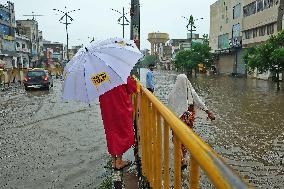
point(237, 11)
point(5, 29)
point(268, 3)
point(262, 31)
point(248, 34)
point(259, 6)
point(270, 29)
point(223, 41)
point(23, 46)
point(18, 44)
point(236, 30)
point(254, 32)
point(249, 9)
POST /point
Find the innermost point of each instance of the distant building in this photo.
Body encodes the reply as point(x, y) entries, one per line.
point(7, 35)
point(53, 52)
point(239, 24)
point(183, 44)
point(23, 47)
point(30, 29)
point(73, 51)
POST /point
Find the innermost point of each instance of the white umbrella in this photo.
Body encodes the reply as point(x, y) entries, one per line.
point(98, 68)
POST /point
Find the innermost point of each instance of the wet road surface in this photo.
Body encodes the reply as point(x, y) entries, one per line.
point(46, 143)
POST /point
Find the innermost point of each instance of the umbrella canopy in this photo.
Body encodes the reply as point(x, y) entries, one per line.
point(98, 68)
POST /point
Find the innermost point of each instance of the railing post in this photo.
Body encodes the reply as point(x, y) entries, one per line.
point(194, 174)
point(177, 162)
point(166, 156)
point(159, 152)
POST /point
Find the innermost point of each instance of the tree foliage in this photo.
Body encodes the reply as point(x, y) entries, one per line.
point(149, 59)
point(189, 59)
point(268, 56)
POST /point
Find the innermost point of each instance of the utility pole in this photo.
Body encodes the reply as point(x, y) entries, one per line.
point(125, 21)
point(66, 23)
point(135, 22)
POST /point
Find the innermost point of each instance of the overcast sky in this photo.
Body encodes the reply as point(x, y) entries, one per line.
point(96, 19)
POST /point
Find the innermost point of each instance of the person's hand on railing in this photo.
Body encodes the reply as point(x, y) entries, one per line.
point(210, 115)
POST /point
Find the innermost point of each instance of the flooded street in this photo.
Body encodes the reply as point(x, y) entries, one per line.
point(46, 143)
point(248, 131)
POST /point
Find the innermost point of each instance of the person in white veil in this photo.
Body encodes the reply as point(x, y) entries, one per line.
point(183, 100)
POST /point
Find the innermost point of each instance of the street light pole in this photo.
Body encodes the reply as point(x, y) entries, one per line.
point(66, 23)
point(135, 22)
point(192, 26)
point(125, 21)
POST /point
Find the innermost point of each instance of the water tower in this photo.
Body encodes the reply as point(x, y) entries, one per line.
point(156, 39)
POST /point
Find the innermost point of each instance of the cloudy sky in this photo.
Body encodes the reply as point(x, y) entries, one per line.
point(96, 19)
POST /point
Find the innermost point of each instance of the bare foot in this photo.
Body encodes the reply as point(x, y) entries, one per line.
point(119, 164)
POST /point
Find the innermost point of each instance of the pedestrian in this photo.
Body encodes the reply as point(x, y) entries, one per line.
point(183, 100)
point(150, 78)
point(116, 111)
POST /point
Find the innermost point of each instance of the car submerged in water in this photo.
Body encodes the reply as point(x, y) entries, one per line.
point(38, 78)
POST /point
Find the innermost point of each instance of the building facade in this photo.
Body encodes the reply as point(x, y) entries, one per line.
point(7, 35)
point(23, 48)
point(30, 29)
point(53, 52)
point(239, 24)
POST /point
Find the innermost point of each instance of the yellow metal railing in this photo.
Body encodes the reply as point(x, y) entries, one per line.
point(154, 124)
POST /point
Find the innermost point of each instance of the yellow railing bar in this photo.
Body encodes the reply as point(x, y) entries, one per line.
point(166, 156)
point(177, 162)
point(194, 174)
point(159, 152)
point(221, 175)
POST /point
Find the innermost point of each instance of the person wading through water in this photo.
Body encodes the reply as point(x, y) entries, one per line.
point(183, 100)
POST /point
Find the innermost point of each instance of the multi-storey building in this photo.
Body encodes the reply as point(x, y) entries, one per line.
point(7, 34)
point(23, 47)
point(239, 24)
point(53, 52)
point(30, 29)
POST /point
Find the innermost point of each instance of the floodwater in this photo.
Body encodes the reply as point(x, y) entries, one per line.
point(249, 128)
point(46, 143)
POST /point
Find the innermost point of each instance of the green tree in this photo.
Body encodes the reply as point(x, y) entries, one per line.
point(149, 59)
point(189, 59)
point(267, 57)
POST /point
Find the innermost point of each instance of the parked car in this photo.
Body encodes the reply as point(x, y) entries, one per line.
point(38, 78)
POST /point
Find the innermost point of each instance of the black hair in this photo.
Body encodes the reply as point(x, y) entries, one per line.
point(151, 65)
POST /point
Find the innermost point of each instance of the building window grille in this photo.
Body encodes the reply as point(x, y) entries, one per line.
point(270, 29)
point(248, 34)
point(259, 4)
point(249, 9)
point(254, 32)
point(268, 3)
point(262, 31)
point(237, 11)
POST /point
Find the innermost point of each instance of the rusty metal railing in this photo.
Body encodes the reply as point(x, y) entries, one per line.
point(154, 122)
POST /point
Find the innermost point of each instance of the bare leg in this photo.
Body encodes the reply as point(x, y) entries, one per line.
point(113, 161)
point(119, 163)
